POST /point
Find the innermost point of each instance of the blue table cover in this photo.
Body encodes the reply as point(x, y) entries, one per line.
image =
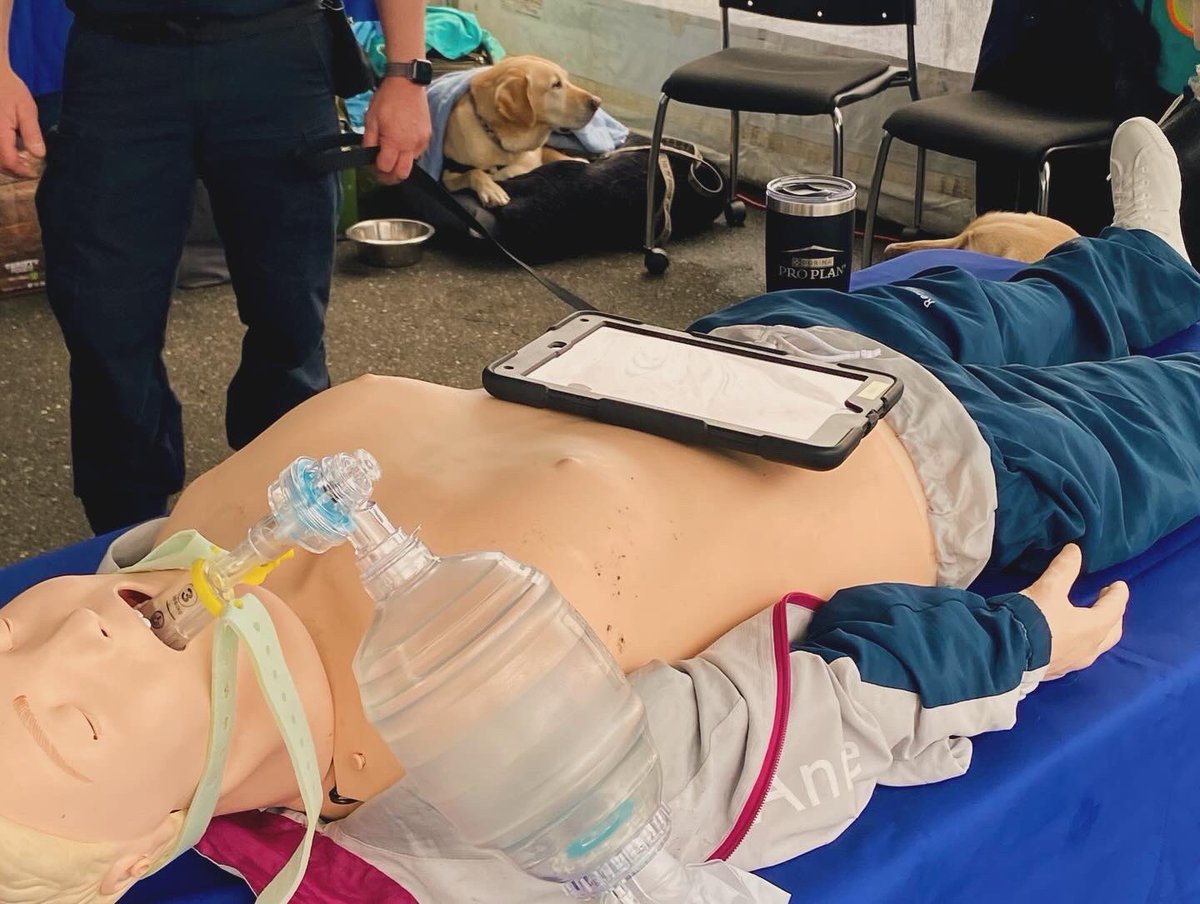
point(1092, 798)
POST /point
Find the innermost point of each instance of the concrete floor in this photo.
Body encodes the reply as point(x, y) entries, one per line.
point(441, 321)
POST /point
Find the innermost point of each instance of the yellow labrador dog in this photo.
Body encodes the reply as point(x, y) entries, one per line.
point(1018, 236)
point(500, 126)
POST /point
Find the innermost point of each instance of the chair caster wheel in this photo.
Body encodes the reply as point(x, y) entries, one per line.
point(656, 261)
point(735, 213)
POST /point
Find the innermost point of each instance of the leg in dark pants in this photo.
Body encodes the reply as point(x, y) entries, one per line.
point(1105, 454)
point(1090, 300)
point(265, 97)
point(1085, 448)
point(114, 204)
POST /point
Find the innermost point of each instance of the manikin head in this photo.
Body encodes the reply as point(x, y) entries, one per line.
point(104, 733)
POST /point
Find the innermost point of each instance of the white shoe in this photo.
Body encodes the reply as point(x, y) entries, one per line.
point(1146, 186)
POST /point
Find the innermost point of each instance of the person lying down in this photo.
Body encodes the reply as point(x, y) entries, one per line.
point(715, 579)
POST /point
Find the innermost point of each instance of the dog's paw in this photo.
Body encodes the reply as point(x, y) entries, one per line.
point(493, 196)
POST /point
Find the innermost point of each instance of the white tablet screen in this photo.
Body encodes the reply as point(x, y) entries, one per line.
point(756, 395)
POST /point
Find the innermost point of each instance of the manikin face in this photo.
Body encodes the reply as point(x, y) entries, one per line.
point(103, 728)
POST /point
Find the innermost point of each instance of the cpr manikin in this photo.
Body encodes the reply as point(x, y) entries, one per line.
point(618, 528)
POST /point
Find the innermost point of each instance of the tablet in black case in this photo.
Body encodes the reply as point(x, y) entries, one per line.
point(697, 389)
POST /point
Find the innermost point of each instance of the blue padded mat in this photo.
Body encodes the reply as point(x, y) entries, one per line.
point(1091, 798)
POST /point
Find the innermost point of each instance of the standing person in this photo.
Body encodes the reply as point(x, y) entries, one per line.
point(156, 95)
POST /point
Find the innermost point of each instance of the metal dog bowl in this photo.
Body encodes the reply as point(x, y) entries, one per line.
point(389, 243)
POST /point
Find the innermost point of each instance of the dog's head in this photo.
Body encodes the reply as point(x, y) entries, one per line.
point(527, 91)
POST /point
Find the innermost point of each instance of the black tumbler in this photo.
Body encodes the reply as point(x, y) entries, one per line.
point(810, 232)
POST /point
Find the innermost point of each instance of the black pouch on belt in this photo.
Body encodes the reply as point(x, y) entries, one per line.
point(352, 72)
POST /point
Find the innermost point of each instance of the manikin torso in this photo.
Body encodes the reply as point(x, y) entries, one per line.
point(660, 546)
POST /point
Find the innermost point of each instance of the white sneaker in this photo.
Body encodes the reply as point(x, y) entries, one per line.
point(1146, 186)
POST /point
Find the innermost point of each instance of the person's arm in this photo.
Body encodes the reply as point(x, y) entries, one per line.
point(931, 666)
point(398, 117)
point(885, 684)
point(18, 112)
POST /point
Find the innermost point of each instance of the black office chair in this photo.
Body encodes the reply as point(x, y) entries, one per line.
point(983, 126)
point(767, 81)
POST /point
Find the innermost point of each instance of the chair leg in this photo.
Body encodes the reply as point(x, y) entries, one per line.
point(868, 252)
point(1043, 202)
point(655, 259)
point(919, 194)
point(839, 138)
point(735, 210)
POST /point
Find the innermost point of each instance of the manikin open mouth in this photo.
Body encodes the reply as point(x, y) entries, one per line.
point(135, 599)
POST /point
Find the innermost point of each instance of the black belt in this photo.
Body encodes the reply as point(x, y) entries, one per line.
point(200, 29)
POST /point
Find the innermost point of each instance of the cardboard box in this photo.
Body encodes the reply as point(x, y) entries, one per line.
point(21, 261)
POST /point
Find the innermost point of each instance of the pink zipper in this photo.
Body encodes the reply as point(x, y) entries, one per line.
point(783, 702)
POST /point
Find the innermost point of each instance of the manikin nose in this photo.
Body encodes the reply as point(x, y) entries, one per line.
point(82, 629)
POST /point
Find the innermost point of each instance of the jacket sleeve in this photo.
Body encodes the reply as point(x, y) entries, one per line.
point(774, 739)
point(924, 667)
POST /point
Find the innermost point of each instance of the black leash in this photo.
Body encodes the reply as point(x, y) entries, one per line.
point(345, 151)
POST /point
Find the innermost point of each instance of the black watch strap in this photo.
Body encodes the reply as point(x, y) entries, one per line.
point(419, 72)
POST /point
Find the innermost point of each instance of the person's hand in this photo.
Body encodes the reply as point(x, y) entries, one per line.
point(398, 122)
point(1078, 636)
point(18, 127)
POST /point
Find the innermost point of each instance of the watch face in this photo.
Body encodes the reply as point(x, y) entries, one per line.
point(422, 72)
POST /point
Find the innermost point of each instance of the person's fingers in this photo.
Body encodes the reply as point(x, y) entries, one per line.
point(387, 160)
point(10, 160)
point(403, 167)
point(370, 131)
point(1115, 633)
point(1110, 606)
point(31, 131)
point(1066, 566)
point(1060, 574)
point(1113, 600)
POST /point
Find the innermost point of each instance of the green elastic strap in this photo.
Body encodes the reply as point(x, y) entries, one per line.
point(252, 624)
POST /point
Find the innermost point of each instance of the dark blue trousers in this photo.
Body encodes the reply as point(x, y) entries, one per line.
point(140, 124)
point(1090, 442)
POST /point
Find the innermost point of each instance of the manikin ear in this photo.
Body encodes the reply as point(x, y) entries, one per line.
point(136, 858)
point(513, 101)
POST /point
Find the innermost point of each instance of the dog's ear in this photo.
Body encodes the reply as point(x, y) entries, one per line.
point(513, 100)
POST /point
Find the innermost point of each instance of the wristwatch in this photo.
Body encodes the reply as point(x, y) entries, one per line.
point(419, 72)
